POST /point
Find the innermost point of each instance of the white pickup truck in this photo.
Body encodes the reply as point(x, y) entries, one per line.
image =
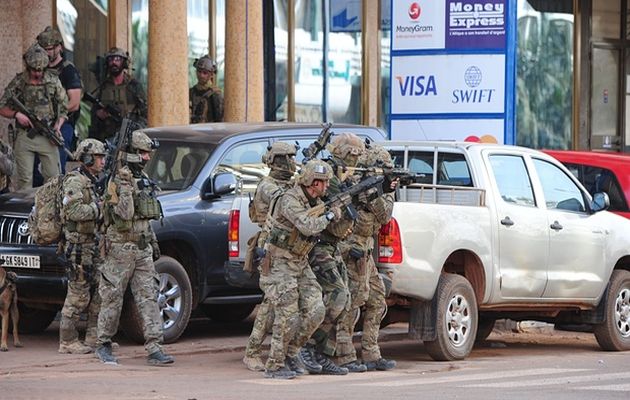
point(493, 231)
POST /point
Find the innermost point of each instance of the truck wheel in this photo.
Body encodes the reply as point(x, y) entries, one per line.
point(34, 320)
point(614, 333)
point(484, 328)
point(228, 312)
point(174, 300)
point(456, 323)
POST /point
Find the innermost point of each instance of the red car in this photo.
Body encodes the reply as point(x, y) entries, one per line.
point(600, 172)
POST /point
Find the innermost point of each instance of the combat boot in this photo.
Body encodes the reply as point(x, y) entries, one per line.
point(74, 347)
point(104, 353)
point(307, 358)
point(294, 365)
point(282, 373)
point(381, 364)
point(329, 367)
point(159, 358)
point(254, 363)
point(354, 366)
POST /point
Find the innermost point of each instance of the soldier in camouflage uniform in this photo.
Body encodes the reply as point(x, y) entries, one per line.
point(80, 212)
point(289, 283)
point(327, 263)
point(41, 92)
point(206, 100)
point(366, 285)
point(120, 91)
point(280, 157)
point(6, 166)
point(131, 247)
point(50, 39)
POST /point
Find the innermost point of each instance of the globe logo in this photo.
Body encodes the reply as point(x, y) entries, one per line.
point(472, 76)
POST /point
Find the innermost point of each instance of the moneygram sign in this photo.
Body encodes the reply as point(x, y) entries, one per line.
point(475, 24)
point(418, 23)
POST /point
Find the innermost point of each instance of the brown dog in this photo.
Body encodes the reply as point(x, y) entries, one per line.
point(8, 302)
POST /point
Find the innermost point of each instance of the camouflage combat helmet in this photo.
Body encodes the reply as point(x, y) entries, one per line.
point(278, 149)
point(90, 146)
point(377, 156)
point(140, 141)
point(313, 170)
point(117, 51)
point(49, 37)
point(36, 57)
point(205, 63)
point(346, 144)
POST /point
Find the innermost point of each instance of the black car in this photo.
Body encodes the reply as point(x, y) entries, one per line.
point(202, 171)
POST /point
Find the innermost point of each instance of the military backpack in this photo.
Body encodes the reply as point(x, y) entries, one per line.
point(44, 221)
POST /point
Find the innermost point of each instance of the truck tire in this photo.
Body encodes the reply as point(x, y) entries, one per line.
point(228, 312)
point(456, 323)
point(614, 333)
point(174, 300)
point(484, 328)
point(34, 320)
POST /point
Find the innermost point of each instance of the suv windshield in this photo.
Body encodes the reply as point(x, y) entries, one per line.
point(175, 165)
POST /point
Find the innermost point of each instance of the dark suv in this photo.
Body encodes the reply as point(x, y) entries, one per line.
point(202, 170)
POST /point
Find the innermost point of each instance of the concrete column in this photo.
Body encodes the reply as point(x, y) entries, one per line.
point(244, 80)
point(371, 62)
point(119, 34)
point(168, 63)
point(36, 15)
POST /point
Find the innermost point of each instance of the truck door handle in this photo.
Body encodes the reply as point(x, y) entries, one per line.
point(507, 221)
point(556, 226)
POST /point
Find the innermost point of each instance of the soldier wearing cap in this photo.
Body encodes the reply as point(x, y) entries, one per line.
point(41, 92)
point(288, 282)
point(280, 157)
point(50, 39)
point(80, 212)
point(206, 100)
point(131, 247)
point(120, 91)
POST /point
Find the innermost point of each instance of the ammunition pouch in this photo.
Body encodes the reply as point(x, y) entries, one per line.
point(294, 242)
point(252, 243)
point(110, 218)
point(85, 227)
point(146, 206)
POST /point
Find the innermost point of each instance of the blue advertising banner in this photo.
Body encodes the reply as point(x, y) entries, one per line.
point(475, 24)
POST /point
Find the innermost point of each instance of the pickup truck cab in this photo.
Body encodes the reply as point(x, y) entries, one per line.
point(493, 231)
point(202, 170)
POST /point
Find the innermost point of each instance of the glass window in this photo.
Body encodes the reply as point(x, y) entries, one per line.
point(83, 27)
point(453, 170)
point(175, 165)
point(596, 179)
point(245, 161)
point(559, 190)
point(512, 178)
point(544, 81)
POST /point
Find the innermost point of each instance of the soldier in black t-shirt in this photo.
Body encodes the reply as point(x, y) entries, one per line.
point(50, 39)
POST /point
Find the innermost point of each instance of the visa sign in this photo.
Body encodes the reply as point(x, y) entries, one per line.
point(448, 84)
point(418, 85)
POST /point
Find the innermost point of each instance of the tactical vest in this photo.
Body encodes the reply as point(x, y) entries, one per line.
point(283, 234)
point(205, 106)
point(259, 206)
point(39, 99)
point(85, 229)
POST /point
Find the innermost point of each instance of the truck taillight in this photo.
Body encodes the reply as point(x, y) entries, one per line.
point(389, 244)
point(233, 233)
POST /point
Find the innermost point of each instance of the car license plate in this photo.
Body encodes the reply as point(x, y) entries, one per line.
point(20, 261)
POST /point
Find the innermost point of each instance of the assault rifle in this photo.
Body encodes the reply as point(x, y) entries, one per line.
point(40, 126)
point(113, 111)
point(404, 176)
point(118, 154)
point(319, 144)
point(344, 199)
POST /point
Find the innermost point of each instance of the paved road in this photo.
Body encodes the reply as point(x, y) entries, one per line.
point(538, 364)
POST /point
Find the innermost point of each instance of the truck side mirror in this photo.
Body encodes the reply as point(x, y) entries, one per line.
point(218, 185)
point(600, 202)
